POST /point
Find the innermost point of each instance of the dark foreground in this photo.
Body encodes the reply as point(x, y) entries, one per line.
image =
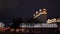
point(29, 33)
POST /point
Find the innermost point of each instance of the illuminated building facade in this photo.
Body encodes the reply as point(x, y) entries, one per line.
point(41, 15)
point(2, 24)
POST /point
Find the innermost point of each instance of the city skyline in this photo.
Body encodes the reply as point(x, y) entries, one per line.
point(10, 9)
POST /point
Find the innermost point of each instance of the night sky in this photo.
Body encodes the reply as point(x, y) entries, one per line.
point(10, 9)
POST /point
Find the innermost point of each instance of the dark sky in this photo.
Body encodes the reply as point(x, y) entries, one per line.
point(10, 9)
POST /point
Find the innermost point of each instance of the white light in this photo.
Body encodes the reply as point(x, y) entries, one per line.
point(33, 14)
point(36, 12)
point(44, 9)
point(40, 9)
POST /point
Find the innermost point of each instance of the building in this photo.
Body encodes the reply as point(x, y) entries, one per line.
point(2, 24)
point(41, 16)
